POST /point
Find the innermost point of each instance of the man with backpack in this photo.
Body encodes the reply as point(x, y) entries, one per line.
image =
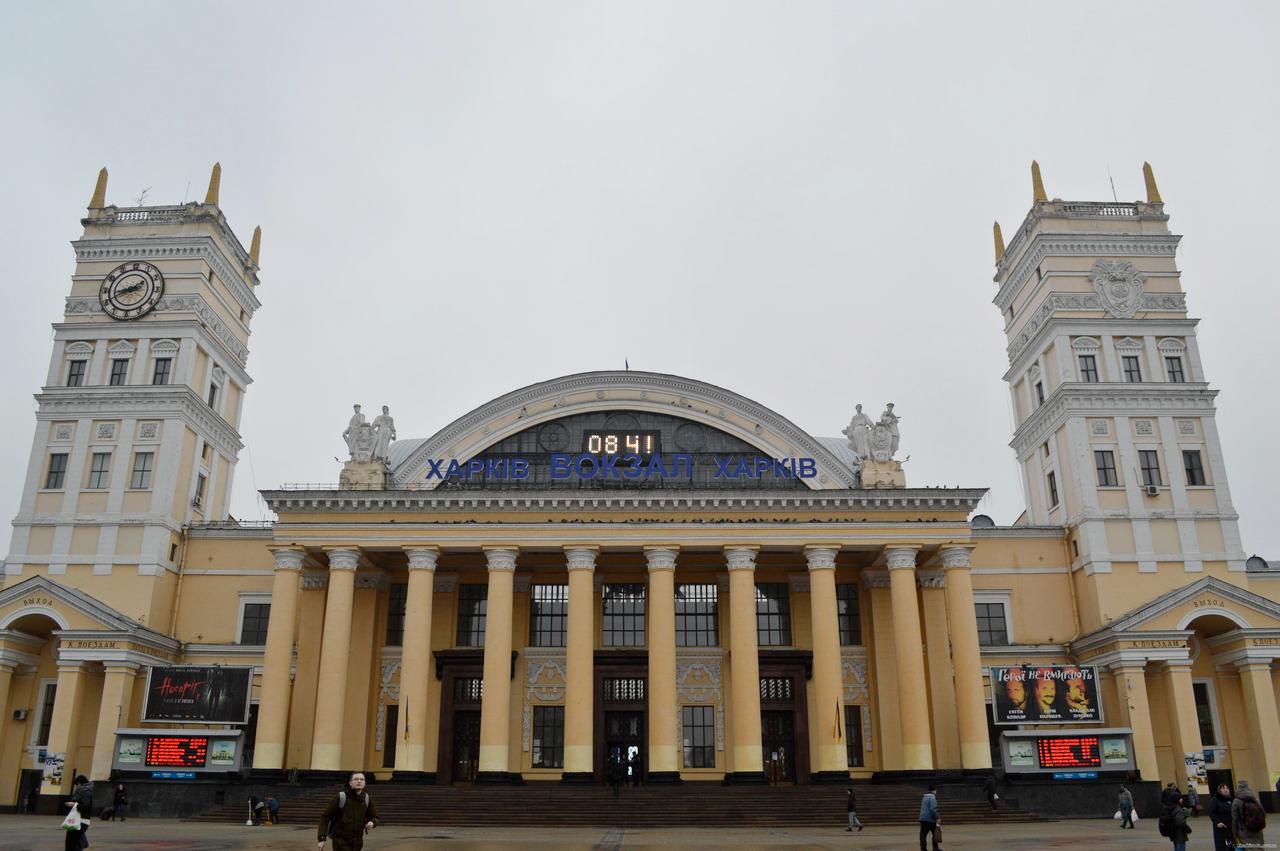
point(1248, 818)
point(348, 817)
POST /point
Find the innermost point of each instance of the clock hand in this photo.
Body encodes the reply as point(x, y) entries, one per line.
point(130, 289)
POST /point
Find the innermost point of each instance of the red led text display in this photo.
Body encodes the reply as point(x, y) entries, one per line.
point(177, 751)
point(1069, 752)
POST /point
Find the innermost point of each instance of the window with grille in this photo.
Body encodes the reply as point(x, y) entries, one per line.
point(624, 689)
point(1193, 467)
point(397, 603)
point(775, 688)
point(1149, 461)
point(853, 735)
point(549, 623)
point(624, 615)
point(993, 631)
point(473, 607)
point(773, 614)
point(1132, 368)
point(1105, 462)
point(1089, 369)
point(697, 616)
point(1173, 369)
point(57, 474)
point(1052, 481)
point(548, 736)
point(119, 372)
point(100, 470)
point(141, 475)
point(163, 369)
point(468, 690)
point(699, 730)
point(75, 373)
point(253, 623)
point(847, 615)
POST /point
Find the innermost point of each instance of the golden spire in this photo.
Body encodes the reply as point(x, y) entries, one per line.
point(255, 247)
point(215, 178)
point(1153, 191)
point(999, 242)
point(99, 199)
point(1037, 185)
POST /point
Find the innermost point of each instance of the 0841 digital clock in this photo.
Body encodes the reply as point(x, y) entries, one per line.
point(642, 443)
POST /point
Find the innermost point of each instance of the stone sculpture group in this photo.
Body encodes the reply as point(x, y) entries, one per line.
point(871, 440)
point(370, 441)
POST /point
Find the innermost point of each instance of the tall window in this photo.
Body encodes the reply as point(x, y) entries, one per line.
point(1173, 369)
point(202, 482)
point(1039, 392)
point(390, 740)
point(57, 474)
point(1132, 369)
point(75, 373)
point(548, 625)
point(548, 734)
point(119, 372)
point(100, 470)
point(1052, 481)
point(773, 614)
point(847, 615)
point(213, 396)
point(1149, 461)
point(1105, 462)
point(1204, 714)
point(853, 735)
point(1089, 369)
point(253, 623)
point(46, 714)
point(397, 602)
point(624, 615)
point(141, 475)
point(699, 731)
point(993, 631)
point(697, 621)
point(1193, 467)
point(162, 371)
point(473, 607)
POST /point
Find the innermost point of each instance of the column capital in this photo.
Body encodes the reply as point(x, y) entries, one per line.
point(73, 668)
point(1173, 666)
point(501, 558)
point(661, 558)
point(121, 665)
point(741, 558)
point(821, 556)
point(1260, 665)
point(957, 557)
point(581, 558)
point(900, 558)
point(1127, 666)
point(288, 558)
point(343, 558)
point(422, 558)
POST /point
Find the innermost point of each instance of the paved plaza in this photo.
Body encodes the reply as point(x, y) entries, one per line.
point(29, 833)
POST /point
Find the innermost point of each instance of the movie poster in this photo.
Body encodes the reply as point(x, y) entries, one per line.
point(1045, 694)
point(215, 695)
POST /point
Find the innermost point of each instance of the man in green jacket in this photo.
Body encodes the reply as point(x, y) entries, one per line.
point(348, 817)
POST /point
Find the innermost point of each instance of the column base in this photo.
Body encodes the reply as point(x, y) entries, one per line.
point(413, 777)
point(499, 778)
point(829, 777)
point(745, 778)
point(578, 778)
point(663, 778)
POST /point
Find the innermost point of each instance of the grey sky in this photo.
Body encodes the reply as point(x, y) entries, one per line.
point(790, 200)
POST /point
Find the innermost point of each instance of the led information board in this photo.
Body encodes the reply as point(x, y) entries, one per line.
point(191, 751)
point(1069, 752)
point(177, 751)
point(1031, 752)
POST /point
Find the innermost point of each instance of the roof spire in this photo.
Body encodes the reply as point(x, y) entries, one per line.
point(1037, 185)
point(99, 199)
point(255, 247)
point(215, 179)
point(1153, 191)
point(995, 227)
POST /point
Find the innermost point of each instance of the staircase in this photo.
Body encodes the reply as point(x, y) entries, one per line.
point(691, 804)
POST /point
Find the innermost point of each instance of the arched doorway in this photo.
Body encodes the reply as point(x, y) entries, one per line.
point(27, 642)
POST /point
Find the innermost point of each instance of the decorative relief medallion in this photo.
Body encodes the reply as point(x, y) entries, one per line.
point(553, 437)
point(1119, 286)
point(698, 681)
point(853, 670)
point(106, 431)
point(64, 431)
point(546, 680)
point(1099, 427)
point(148, 431)
point(690, 437)
point(1144, 427)
point(1187, 427)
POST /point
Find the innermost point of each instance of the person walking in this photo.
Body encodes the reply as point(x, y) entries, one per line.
point(1179, 830)
point(992, 796)
point(1248, 818)
point(1193, 799)
point(349, 815)
point(1220, 818)
point(1126, 808)
point(851, 805)
point(82, 800)
point(929, 819)
point(273, 810)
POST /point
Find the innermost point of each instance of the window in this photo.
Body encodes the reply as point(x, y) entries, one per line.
point(1044, 449)
point(46, 714)
point(697, 620)
point(473, 606)
point(853, 735)
point(390, 739)
point(776, 688)
point(201, 481)
point(548, 733)
point(75, 373)
point(1173, 369)
point(699, 730)
point(57, 474)
point(1149, 461)
point(213, 396)
point(468, 689)
point(119, 372)
point(100, 470)
point(398, 601)
point(1039, 392)
point(253, 622)
point(1105, 461)
point(1194, 468)
point(624, 615)
point(1052, 481)
point(623, 690)
point(1089, 369)
point(163, 369)
point(548, 625)
point(141, 477)
point(847, 615)
point(1132, 369)
point(773, 614)
point(993, 628)
point(1205, 713)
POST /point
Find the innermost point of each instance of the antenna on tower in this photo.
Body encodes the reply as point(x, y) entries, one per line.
point(1113, 184)
point(186, 192)
point(137, 202)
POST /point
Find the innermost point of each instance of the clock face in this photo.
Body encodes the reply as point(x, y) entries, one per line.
point(131, 290)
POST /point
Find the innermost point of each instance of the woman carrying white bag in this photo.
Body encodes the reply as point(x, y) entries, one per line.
point(1125, 815)
point(76, 824)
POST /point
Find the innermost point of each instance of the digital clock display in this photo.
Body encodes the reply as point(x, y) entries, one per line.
point(177, 751)
point(1069, 752)
point(642, 443)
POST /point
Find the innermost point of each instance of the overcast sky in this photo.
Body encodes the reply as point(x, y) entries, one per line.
point(789, 200)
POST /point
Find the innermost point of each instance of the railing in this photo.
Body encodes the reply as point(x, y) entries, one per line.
point(148, 214)
point(235, 524)
point(335, 486)
point(1093, 208)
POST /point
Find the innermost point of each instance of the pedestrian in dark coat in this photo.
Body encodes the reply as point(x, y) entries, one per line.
point(929, 818)
point(990, 789)
point(1126, 808)
point(1220, 818)
point(348, 817)
point(1246, 798)
point(82, 799)
point(119, 802)
point(852, 807)
point(1179, 831)
point(614, 775)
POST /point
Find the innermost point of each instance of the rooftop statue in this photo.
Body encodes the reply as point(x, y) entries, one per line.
point(359, 437)
point(885, 437)
point(384, 431)
point(859, 434)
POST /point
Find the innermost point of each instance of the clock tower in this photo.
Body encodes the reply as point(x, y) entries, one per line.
point(137, 424)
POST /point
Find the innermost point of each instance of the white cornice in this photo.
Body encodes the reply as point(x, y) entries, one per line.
point(210, 326)
point(1034, 335)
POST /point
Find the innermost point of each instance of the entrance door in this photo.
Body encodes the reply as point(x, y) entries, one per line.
point(624, 743)
point(778, 739)
point(1216, 778)
point(29, 789)
point(466, 745)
